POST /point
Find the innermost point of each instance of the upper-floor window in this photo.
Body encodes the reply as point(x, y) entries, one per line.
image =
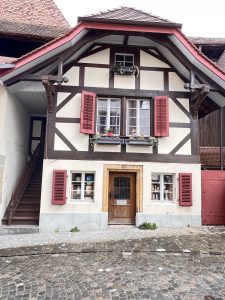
point(138, 117)
point(108, 115)
point(123, 59)
point(124, 116)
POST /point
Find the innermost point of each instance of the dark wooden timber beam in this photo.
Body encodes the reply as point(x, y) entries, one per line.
point(50, 91)
point(197, 96)
point(51, 78)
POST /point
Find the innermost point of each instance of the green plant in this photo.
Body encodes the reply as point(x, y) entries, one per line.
point(56, 230)
point(147, 226)
point(74, 229)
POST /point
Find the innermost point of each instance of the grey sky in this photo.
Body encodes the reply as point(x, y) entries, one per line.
point(199, 17)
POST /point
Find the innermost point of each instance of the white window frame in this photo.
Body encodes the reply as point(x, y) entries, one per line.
point(82, 199)
point(108, 113)
point(138, 133)
point(161, 191)
point(124, 61)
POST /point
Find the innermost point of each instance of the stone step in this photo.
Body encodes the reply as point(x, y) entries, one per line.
point(16, 229)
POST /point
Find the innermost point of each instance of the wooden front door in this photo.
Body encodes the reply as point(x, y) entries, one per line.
point(122, 198)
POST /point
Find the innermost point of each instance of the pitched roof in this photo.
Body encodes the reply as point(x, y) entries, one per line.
point(221, 61)
point(207, 41)
point(32, 18)
point(88, 25)
point(128, 15)
point(210, 156)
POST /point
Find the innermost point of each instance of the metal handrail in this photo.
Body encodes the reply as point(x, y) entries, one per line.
point(22, 184)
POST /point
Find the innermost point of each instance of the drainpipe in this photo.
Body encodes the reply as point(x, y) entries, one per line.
point(221, 138)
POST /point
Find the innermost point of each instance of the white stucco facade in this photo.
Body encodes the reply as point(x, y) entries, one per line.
point(14, 136)
point(167, 214)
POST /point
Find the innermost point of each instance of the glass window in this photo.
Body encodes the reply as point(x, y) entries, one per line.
point(162, 187)
point(138, 117)
point(125, 60)
point(108, 115)
point(82, 186)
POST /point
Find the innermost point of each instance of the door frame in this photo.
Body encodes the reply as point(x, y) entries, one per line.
point(137, 169)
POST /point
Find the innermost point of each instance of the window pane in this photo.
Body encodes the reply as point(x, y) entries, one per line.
point(132, 104)
point(144, 104)
point(144, 131)
point(132, 122)
point(101, 129)
point(132, 112)
point(115, 103)
point(102, 103)
point(119, 57)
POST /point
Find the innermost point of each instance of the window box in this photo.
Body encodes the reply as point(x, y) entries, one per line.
point(125, 70)
point(142, 142)
point(104, 140)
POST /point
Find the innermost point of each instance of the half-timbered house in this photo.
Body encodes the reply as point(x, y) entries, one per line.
point(120, 95)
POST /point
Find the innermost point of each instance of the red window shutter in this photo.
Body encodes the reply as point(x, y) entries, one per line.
point(185, 189)
point(87, 115)
point(161, 116)
point(59, 187)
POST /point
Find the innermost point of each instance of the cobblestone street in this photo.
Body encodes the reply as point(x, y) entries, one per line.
point(113, 276)
point(162, 264)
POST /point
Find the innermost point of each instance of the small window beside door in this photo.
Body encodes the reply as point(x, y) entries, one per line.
point(82, 186)
point(162, 187)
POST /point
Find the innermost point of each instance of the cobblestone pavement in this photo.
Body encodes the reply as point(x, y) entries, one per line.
point(113, 275)
point(209, 240)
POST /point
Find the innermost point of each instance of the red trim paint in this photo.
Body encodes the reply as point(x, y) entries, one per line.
point(87, 114)
point(161, 116)
point(59, 187)
point(185, 189)
point(119, 27)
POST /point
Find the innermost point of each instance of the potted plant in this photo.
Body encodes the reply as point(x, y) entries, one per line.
point(109, 132)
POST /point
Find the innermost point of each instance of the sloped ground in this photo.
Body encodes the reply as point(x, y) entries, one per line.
point(119, 263)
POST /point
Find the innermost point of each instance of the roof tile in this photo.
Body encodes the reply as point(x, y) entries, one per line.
point(33, 18)
point(128, 15)
point(210, 156)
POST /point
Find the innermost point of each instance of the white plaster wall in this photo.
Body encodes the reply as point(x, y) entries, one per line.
point(71, 109)
point(147, 60)
point(139, 149)
point(107, 148)
point(14, 143)
point(154, 207)
point(124, 82)
point(73, 75)
point(96, 77)
point(176, 114)
point(149, 206)
point(101, 57)
point(176, 135)
point(72, 132)
point(151, 80)
point(176, 83)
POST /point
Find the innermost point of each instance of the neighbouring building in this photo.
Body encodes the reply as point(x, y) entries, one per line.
point(120, 95)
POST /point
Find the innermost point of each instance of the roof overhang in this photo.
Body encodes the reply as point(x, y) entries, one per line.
point(57, 46)
point(130, 22)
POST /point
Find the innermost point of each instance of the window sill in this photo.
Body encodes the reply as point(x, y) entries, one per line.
point(81, 201)
point(158, 202)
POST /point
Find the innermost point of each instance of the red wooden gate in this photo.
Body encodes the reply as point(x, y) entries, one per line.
point(213, 197)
